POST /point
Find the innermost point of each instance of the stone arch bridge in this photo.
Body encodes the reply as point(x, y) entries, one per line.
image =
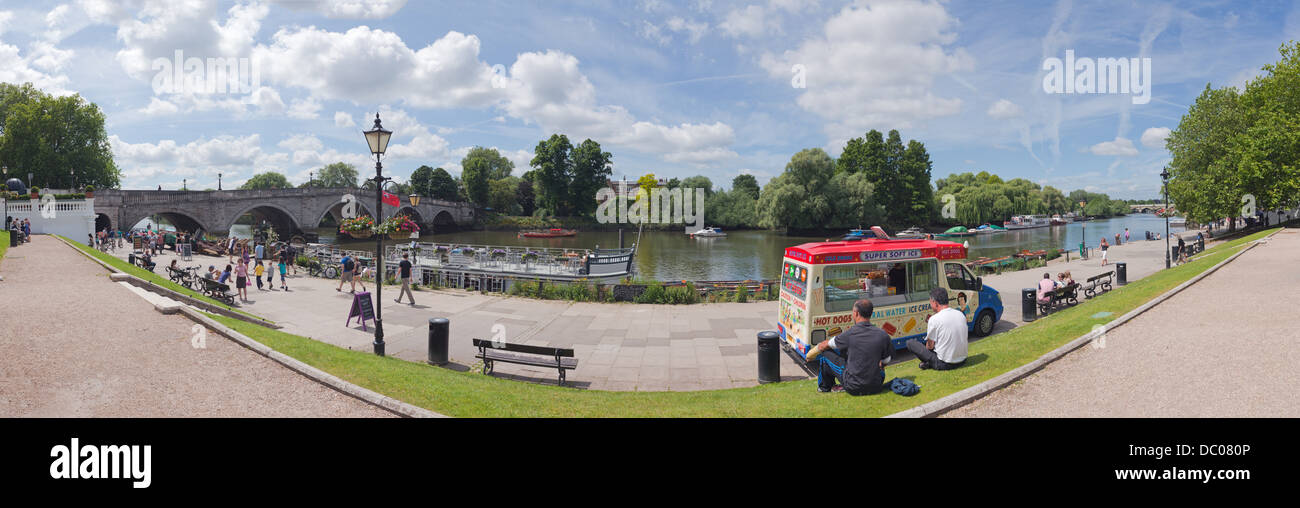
point(290, 211)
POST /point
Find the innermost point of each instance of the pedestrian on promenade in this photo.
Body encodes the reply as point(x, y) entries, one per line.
point(293, 259)
point(1104, 246)
point(1046, 286)
point(946, 336)
point(241, 280)
point(1125, 235)
point(257, 274)
point(225, 275)
point(259, 251)
point(361, 278)
point(284, 262)
point(1117, 239)
point(855, 358)
point(1182, 250)
point(404, 271)
point(346, 265)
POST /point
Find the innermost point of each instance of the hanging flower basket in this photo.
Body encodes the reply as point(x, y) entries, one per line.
point(399, 227)
point(359, 227)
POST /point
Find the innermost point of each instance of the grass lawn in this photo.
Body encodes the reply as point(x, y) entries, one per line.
point(4, 243)
point(470, 394)
point(153, 277)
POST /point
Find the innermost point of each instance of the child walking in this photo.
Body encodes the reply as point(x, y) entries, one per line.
point(257, 274)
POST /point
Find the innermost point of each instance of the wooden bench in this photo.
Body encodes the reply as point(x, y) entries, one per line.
point(218, 291)
point(1098, 284)
point(538, 356)
point(1060, 297)
point(139, 261)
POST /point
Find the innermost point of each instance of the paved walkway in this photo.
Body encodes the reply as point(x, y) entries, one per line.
point(1224, 347)
point(619, 346)
point(89, 347)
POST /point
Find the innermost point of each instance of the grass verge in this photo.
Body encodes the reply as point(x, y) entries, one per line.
point(469, 394)
point(4, 244)
point(155, 278)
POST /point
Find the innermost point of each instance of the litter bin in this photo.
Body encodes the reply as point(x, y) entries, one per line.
point(13, 237)
point(1121, 273)
point(439, 329)
point(769, 357)
point(1029, 304)
point(1083, 251)
point(130, 258)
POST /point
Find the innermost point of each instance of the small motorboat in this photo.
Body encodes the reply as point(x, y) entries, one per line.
point(911, 233)
point(708, 232)
point(988, 229)
point(548, 233)
point(957, 232)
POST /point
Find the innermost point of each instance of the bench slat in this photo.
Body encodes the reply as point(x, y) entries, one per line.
point(498, 355)
point(524, 348)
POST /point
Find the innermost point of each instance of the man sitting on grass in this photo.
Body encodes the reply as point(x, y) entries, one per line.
point(856, 358)
point(945, 336)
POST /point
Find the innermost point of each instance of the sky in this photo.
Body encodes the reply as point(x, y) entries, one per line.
point(674, 88)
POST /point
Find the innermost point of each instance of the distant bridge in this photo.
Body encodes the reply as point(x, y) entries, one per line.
point(289, 211)
point(1150, 208)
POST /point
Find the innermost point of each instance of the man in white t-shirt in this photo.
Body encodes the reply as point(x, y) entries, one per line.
point(945, 336)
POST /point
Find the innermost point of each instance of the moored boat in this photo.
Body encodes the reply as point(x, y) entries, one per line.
point(708, 232)
point(1027, 222)
point(913, 232)
point(548, 233)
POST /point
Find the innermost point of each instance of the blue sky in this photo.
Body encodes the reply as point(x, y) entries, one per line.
point(671, 88)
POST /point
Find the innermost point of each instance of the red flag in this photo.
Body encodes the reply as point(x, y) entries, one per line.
point(391, 199)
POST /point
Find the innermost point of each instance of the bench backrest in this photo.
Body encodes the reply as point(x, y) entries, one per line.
point(524, 348)
point(1101, 276)
point(212, 284)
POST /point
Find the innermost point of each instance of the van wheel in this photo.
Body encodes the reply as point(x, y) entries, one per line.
point(984, 323)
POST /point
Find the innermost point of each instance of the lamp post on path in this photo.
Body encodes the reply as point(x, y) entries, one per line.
point(377, 137)
point(1164, 177)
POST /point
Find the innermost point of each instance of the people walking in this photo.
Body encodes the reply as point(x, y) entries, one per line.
point(346, 266)
point(257, 274)
point(1125, 235)
point(1104, 247)
point(241, 280)
point(284, 260)
point(404, 272)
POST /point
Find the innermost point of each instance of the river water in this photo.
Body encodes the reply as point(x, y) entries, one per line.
point(664, 255)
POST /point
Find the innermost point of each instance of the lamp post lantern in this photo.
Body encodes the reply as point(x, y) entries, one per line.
point(311, 177)
point(377, 137)
point(1164, 177)
point(185, 184)
point(73, 174)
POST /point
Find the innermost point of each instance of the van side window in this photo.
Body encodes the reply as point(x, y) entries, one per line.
point(956, 275)
point(923, 277)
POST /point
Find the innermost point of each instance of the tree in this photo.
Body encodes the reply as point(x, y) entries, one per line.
point(442, 185)
point(49, 136)
point(475, 174)
point(699, 182)
point(525, 197)
point(421, 180)
point(799, 197)
point(496, 165)
point(591, 172)
point(501, 195)
point(647, 183)
point(338, 174)
point(746, 184)
point(914, 179)
point(267, 180)
point(553, 169)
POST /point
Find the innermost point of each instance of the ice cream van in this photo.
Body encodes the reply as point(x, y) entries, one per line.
point(821, 280)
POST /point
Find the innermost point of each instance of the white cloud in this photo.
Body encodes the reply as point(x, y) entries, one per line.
point(693, 29)
point(342, 119)
point(748, 21)
point(1004, 109)
point(305, 109)
point(874, 67)
point(1120, 147)
point(348, 9)
point(1154, 137)
point(162, 27)
point(231, 155)
point(344, 66)
point(548, 89)
point(14, 68)
point(159, 107)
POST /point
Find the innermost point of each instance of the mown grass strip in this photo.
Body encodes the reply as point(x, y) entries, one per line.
point(154, 277)
point(469, 394)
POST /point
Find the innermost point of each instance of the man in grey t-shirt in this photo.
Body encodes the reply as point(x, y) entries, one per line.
point(855, 358)
point(946, 334)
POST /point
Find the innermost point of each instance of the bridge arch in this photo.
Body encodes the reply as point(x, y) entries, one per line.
point(282, 220)
point(183, 220)
point(410, 211)
point(336, 210)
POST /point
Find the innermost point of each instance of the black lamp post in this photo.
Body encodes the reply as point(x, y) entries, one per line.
point(1164, 177)
point(185, 185)
point(377, 137)
point(311, 177)
point(73, 174)
point(6, 179)
point(218, 181)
